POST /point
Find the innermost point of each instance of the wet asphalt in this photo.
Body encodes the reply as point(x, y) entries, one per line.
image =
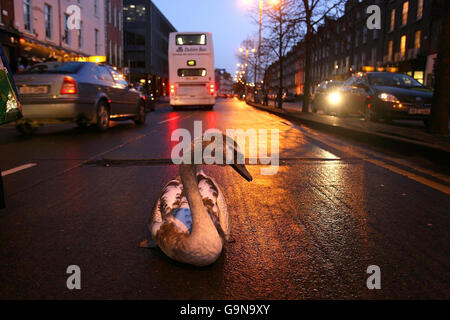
point(308, 232)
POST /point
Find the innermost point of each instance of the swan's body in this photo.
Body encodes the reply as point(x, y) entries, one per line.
point(190, 222)
point(167, 230)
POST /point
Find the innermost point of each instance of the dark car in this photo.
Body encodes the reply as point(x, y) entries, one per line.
point(288, 97)
point(76, 92)
point(325, 96)
point(385, 95)
point(148, 97)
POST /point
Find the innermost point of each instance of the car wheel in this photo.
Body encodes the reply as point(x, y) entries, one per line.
point(102, 116)
point(141, 115)
point(26, 129)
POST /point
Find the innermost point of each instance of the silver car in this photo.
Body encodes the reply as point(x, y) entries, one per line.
point(76, 92)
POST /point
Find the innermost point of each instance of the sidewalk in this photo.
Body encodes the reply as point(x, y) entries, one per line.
point(410, 135)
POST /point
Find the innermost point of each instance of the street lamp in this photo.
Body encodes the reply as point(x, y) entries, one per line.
point(247, 51)
point(261, 8)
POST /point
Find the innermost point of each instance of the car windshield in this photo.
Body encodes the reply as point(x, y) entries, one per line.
point(393, 80)
point(55, 67)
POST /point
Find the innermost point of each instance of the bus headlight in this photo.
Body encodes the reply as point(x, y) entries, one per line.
point(334, 98)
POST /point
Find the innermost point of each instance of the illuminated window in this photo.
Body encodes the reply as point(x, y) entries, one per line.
point(418, 75)
point(417, 39)
point(405, 13)
point(392, 20)
point(390, 49)
point(403, 46)
point(419, 9)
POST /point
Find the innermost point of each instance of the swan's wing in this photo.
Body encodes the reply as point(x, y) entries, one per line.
point(214, 201)
point(169, 198)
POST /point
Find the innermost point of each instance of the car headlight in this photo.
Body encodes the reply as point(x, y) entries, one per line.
point(387, 97)
point(334, 98)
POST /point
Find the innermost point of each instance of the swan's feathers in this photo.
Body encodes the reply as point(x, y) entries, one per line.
point(173, 197)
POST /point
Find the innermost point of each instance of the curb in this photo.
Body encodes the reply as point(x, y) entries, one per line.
point(436, 151)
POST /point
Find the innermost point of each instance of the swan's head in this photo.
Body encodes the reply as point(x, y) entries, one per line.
point(220, 149)
point(238, 158)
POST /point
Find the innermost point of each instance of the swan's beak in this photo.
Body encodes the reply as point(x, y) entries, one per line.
point(242, 170)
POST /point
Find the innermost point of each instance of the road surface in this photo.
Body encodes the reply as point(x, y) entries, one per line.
point(311, 231)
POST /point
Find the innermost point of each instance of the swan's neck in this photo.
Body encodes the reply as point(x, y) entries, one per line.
point(202, 224)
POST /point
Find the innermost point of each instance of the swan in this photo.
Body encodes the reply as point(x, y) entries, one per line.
point(190, 221)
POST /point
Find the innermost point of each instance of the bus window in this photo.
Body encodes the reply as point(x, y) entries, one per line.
point(191, 39)
point(192, 72)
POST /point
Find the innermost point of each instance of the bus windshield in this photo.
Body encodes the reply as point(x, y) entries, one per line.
point(191, 39)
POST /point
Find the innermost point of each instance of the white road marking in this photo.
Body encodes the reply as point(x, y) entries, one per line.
point(20, 168)
point(171, 119)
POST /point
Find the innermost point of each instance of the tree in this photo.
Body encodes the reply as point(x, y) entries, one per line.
point(248, 59)
point(310, 14)
point(281, 35)
point(441, 101)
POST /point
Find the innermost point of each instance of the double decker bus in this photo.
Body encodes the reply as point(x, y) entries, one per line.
point(191, 70)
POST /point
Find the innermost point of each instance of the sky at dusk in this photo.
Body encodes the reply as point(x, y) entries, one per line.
point(228, 20)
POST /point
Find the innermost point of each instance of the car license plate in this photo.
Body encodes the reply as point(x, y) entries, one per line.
point(33, 89)
point(419, 111)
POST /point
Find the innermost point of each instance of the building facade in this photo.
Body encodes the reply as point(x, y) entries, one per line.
point(293, 77)
point(224, 82)
point(146, 43)
point(45, 33)
point(407, 42)
point(114, 32)
point(9, 36)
